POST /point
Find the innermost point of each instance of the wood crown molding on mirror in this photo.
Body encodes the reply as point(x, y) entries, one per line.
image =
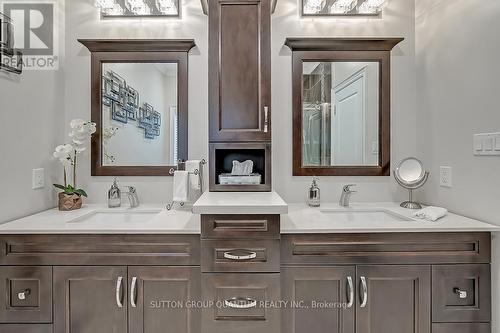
point(131, 51)
point(342, 50)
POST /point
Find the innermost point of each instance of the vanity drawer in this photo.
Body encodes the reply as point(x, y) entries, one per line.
point(387, 248)
point(461, 293)
point(240, 303)
point(240, 226)
point(26, 294)
point(100, 250)
point(461, 328)
point(25, 328)
point(240, 255)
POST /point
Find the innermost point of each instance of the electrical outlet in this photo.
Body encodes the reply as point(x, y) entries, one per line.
point(38, 178)
point(445, 177)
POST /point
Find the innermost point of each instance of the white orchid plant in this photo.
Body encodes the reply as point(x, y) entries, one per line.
point(81, 132)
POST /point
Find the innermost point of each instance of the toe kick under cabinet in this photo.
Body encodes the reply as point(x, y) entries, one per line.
point(242, 275)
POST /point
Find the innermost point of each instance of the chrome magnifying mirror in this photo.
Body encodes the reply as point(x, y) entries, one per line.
point(411, 175)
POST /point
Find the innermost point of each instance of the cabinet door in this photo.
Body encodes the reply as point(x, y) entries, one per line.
point(163, 299)
point(90, 299)
point(318, 299)
point(240, 70)
point(394, 299)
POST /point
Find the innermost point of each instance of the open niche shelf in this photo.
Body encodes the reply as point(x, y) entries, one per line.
point(221, 162)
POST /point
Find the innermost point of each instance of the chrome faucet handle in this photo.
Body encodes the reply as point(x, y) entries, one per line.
point(347, 188)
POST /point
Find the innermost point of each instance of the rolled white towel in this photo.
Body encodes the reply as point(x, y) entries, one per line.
point(431, 213)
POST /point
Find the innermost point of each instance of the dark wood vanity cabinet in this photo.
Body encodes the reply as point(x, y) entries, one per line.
point(242, 275)
point(240, 70)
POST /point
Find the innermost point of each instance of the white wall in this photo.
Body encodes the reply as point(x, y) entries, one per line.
point(458, 69)
point(82, 21)
point(397, 21)
point(31, 126)
point(31, 117)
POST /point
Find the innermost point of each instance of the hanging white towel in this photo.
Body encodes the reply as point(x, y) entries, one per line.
point(431, 213)
point(194, 180)
point(181, 187)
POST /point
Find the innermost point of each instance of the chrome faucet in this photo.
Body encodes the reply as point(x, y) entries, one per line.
point(345, 198)
point(133, 198)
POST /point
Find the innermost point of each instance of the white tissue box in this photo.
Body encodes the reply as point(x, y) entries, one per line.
point(229, 179)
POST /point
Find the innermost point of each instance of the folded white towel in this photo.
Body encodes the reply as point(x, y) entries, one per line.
point(242, 168)
point(181, 187)
point(431, 213)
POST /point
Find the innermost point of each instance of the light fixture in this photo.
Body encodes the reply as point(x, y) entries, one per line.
point(313, 6)
point(166, 7)
point(371, 6)
point(105, 4)
point(137, 7)
point(343, 6)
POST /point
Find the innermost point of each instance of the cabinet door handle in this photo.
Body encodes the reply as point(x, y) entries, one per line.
point(364, 292)
point(22, 295)
point(133, 286)
point(266, 119)
point(240, 303)
point(350, 299)
point(118, 292)
point(248, 255)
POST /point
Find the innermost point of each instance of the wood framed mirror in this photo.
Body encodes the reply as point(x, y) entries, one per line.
point(341, 106)
point(139, 92)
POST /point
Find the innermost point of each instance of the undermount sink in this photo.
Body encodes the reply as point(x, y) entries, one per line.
point(365, 215)
point(110, 217)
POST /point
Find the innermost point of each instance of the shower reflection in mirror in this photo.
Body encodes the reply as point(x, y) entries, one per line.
point(340, 112)
point(139, 114)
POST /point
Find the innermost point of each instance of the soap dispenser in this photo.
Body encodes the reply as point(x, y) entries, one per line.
point(114, 195)
point(313, 198)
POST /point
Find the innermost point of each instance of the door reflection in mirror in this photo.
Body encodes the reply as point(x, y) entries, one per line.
point(340, 113)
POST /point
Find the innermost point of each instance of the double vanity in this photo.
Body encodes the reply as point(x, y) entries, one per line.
point(245, 262)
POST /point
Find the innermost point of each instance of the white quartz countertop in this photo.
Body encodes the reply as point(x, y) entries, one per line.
point(240, 203)
point(304, 219)
point(154, 219)
point(159, 221)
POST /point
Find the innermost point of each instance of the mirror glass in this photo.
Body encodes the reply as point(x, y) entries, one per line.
point(139, 114)
point(410, 170)
point(340, 113)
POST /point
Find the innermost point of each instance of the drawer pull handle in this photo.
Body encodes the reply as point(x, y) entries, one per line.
point(240, 303)
point(22, 295)
point(133, 286)
point(118, 292)
point(350, 299)
point(243, 255)
point(461, 293)
point(364, 292)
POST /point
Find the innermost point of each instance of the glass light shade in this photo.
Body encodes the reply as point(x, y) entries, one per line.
point(114, 11)
point(343, 6)
point(166, 7)
point(138, 7)
point(313, 6)
point(371, 6)
point(105, 4)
